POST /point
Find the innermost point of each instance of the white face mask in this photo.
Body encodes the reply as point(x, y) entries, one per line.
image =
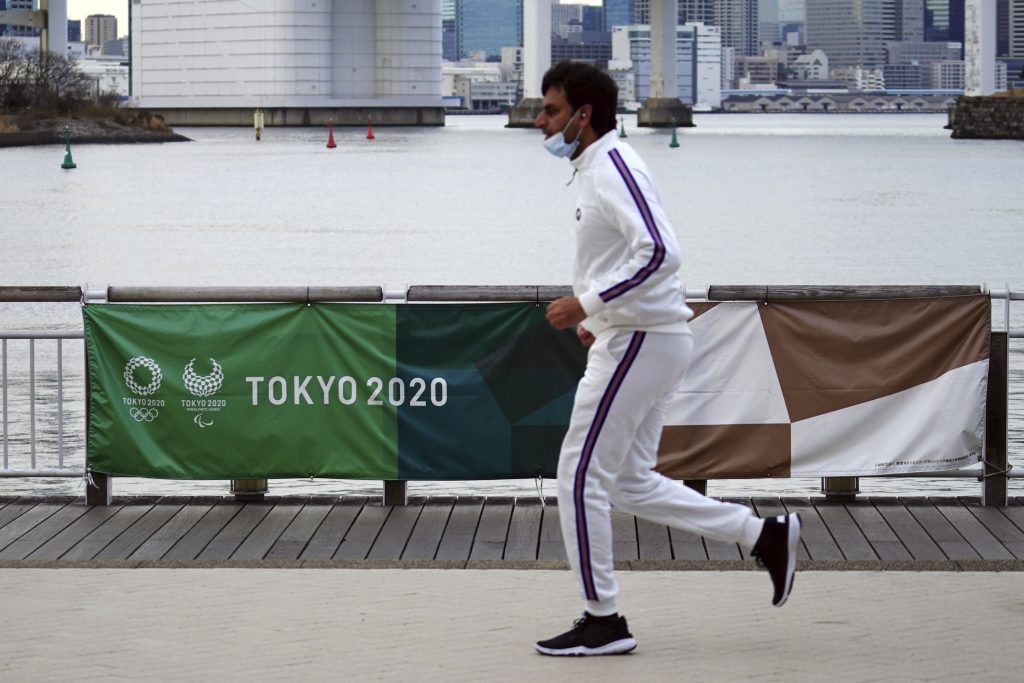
point(557, 145)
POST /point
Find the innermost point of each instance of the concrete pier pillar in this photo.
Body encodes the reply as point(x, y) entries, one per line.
point(979, 47)
point(664, 109)
point(56, 25)
point(664, 79)
point(536, 60)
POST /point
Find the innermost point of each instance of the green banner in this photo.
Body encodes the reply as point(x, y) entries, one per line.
point(355, 391)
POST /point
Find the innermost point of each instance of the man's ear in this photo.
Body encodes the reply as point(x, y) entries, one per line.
point(586, 112)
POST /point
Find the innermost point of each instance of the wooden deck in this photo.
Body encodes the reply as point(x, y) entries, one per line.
point(477, 531)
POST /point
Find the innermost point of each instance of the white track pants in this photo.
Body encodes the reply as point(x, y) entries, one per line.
point(609, 453)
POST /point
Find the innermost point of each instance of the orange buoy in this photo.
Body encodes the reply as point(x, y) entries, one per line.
point(330, 138)
point(369, 128)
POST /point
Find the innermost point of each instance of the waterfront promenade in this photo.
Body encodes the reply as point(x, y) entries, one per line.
point(457, 589)
point(479, 625)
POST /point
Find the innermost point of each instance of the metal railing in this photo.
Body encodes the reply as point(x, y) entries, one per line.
point(32, 336)
point(838, 488)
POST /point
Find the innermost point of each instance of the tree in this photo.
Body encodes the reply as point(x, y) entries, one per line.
point(44, 81)
point(13, 79)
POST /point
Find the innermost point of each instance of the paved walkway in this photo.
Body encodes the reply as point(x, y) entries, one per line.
point(233, 624)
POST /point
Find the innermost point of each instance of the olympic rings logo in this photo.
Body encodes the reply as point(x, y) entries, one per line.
point(144, 414)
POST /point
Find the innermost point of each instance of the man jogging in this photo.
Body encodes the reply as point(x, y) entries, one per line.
point(628, 307)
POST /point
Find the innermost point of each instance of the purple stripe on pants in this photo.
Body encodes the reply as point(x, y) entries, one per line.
point(579, 485)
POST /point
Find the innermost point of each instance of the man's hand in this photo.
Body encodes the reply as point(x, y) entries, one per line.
point(565, 312)
point(585, 337)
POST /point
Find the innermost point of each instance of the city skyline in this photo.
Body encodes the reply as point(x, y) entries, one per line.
point(80, 9)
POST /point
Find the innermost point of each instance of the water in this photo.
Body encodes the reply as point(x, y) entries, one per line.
point(779, 199)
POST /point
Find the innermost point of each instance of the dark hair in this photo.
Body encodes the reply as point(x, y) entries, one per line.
point(585, 84)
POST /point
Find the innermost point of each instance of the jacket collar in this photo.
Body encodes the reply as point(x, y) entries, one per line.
point(596, 150)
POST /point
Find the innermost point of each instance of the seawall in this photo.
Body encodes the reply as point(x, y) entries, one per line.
point(988, 118)
point(303, 116)
point(94, 131)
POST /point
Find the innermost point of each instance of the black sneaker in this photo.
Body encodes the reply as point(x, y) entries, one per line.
point(775, 550)
point(591, 636)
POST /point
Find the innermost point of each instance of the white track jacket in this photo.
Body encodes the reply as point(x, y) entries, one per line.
point(627, 255)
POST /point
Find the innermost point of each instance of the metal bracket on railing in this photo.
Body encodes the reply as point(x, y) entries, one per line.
point(1006, 310)
point(540, 490)
point(87, 478)
point(401, 295)
point(983, 477)
point(100, 295)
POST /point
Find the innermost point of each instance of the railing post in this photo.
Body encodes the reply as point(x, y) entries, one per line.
point(840, 489)
point(98, 489)
point(396, 492)
point(996, 462)
point(249, 490)
point(698, 485)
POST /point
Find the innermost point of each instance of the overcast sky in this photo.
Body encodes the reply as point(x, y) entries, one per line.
point(80, 9)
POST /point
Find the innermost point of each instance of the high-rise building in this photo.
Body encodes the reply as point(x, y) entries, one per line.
point(791, 11)
point(944, 20)
point(594, 47)
point(1002, 28)
point(921, 52)
point(851, 32)
point(775, 18)
point(449, 41)
point(909, 17)
point(947, 75)
point(100, 28)
point(74, 30)
point(487, 26)
point(737, 20)
point(768, 22)
point(640, 11)
point(6, 30)
point(593, 18)
point(698, 62)
point(566, 18)
point(697, 11)
point(618, 13)
point(1015, 30)
point(575, 17)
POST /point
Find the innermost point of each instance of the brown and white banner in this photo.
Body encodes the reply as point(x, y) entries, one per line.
point(831, 388)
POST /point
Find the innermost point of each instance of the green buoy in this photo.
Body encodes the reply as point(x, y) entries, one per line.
point(675, 141)
point(68, 161)
point(622, 130)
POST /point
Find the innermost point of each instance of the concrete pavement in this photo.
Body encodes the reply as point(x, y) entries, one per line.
point(236, 624)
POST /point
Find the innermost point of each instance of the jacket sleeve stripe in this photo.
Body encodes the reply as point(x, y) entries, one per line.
point(645, 212)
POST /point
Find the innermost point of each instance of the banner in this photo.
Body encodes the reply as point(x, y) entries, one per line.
point(484, 391)
point(359, 391)
point(831, 388)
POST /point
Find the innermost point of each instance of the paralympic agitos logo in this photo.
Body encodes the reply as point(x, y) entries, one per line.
point(203, 387)
point(144, 377)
